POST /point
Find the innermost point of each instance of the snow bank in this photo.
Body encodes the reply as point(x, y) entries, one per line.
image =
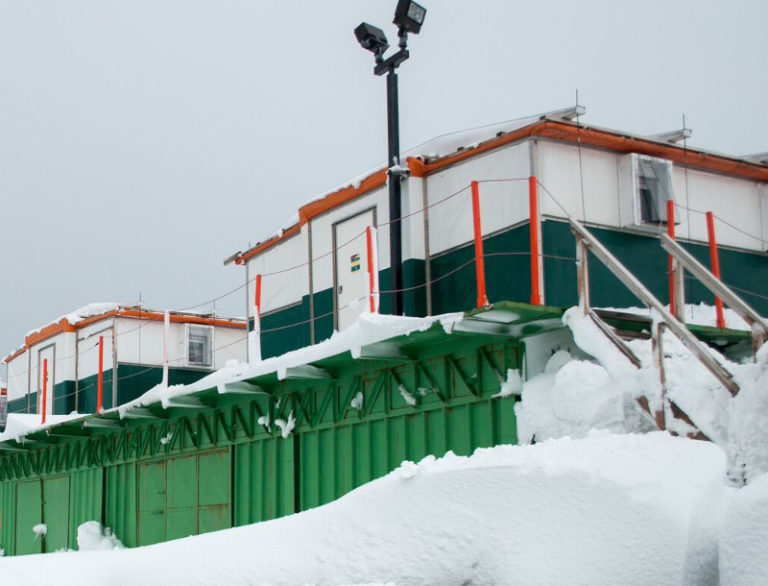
point(744, 541)
point(606, 509)
point(573, 396)
point(93, 536)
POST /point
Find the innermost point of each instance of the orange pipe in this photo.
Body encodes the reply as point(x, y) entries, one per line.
point(482, 299)
point(533, 207)
point(45, 387)
point(670, 262)
point(371, 283)
point(100, 395)
point(714, 261)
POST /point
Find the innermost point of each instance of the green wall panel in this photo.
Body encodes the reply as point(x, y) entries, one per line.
point(507, 272)
point(28, 514)
point(647, 260)
point(285, 330)
point(64, 398)
point(7, 517)
point(56, 513)
point(264, 479)
point(85, 499)
point(120, 513)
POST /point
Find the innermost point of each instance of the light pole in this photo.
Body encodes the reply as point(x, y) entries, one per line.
point(409, 16)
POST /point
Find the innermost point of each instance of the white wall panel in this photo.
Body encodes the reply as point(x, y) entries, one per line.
point(283, 288)
point(18, 378)
point(88, 347)
point(559, 171)
point(229, 344)
point(140, 341)
point(735, 201)
point(503, 196)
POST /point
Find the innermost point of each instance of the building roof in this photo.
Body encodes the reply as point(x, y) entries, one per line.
point(96, 312)
point(443, 151)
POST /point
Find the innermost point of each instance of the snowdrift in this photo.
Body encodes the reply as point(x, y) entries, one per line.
point(606, 509)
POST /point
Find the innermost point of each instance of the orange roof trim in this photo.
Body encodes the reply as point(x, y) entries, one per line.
point(319, 207)
point(63, 326)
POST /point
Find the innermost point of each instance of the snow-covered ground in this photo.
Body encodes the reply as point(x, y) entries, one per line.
point(605, 509)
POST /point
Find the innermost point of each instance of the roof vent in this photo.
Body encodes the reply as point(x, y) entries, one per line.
point(567, 113)
point(673, 136)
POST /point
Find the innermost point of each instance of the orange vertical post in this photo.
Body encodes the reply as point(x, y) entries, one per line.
point(371, 269)
point(714, 261)
point(670, 261)
point(482, 299)
point(45, 387)
point(257, 298)
point(100, 395)
point(533, 208)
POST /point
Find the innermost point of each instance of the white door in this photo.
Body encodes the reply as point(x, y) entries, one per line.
point(46, 377)
point(351, 267)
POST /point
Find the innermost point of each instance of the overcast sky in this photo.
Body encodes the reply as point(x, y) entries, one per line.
point(144, 141)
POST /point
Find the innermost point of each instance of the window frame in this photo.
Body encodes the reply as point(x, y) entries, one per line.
point(189, 330)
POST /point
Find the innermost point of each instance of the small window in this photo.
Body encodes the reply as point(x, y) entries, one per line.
point(199, 345)
point(646, 185)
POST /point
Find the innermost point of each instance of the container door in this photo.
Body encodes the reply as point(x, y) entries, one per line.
point(351, 267)
point(152, 490)
point(56, 513)
point(182, 497)
point(215, 491)
point(49, 354)
point(28, 514)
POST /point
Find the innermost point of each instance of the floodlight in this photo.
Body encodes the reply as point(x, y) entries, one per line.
point(371, 38)
point(409, 16)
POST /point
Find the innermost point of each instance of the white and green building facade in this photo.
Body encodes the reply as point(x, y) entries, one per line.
point(64, 356)
point(314, 271)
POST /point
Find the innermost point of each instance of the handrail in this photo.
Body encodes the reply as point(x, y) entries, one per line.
point(719, 289)
point(585, 238)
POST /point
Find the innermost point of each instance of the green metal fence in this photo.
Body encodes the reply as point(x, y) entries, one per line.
point(164, 474)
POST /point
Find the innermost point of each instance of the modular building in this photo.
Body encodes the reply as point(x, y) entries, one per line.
point(532, 173)
point(129, 342)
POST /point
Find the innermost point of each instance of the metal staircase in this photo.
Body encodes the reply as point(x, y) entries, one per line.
point(682, 260)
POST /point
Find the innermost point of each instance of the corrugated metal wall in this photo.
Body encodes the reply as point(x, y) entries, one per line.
point(203, 470)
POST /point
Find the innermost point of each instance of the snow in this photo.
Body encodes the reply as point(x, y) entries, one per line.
point(512, 386)
point(90, 310)
point(286, 426)
point(40, 530)
point(20, 425)
point(357, 401)
point(743, 554)
point(695, 314)
point(93, 536)
point(407, 397)
point(604, 509)
point(573, 396)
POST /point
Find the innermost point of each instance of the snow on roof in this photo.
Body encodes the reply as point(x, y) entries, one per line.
point(19, 425)
point(78, 315)
point(367, 329)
